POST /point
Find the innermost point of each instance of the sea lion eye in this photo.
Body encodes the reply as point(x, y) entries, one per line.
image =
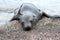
point(31, 21)
point(22, 23)
point(33, 16)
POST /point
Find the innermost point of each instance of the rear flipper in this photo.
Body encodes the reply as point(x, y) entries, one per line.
point(51, 16)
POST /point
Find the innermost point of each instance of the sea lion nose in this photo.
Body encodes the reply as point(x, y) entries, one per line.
point(27, 28)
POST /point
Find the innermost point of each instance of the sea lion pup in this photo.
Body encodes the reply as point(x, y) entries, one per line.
point(27, 14)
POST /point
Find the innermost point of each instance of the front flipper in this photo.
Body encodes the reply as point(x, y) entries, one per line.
point(15, 18)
